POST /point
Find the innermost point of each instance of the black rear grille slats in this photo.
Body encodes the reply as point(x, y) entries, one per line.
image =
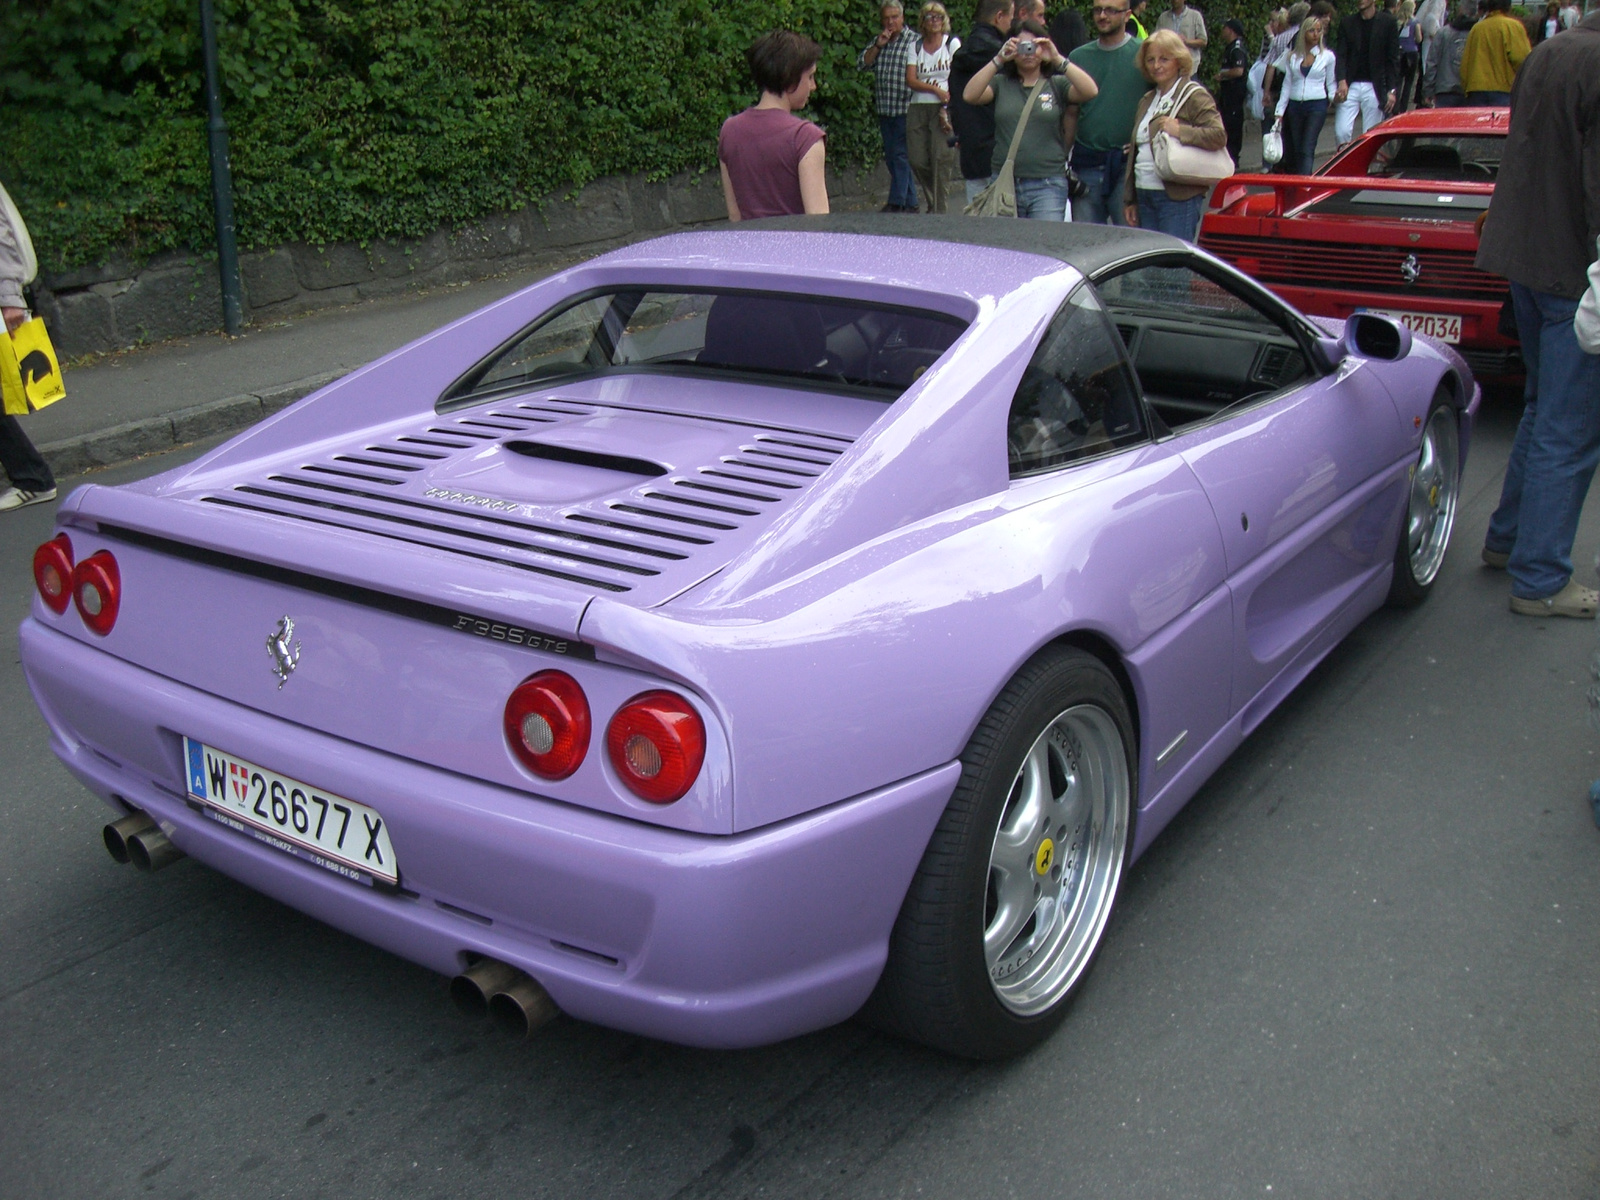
point(614, 541)
point(586, 581)
point(433, 527)
point(508, 522)
point(1445, 274)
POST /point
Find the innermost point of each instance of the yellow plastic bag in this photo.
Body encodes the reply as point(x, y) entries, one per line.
point(30, 373)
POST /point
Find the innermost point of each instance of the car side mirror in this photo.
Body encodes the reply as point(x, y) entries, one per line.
point(1374, 336)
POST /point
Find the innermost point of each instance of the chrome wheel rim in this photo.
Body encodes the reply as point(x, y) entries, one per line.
point(1435, 483)
point(1056, 860)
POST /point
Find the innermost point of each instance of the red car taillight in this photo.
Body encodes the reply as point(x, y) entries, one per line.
point(547, 724)
point(657, 744)
point(97, 591)
point(52, 573)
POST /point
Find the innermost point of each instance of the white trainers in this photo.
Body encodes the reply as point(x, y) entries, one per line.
point(19, 498)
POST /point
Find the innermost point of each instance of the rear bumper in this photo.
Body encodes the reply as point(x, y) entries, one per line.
point(709, 941)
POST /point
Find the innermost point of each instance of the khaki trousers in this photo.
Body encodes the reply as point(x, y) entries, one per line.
point(931, 154)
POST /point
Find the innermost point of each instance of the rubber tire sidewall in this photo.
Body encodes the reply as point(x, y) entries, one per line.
point(935, 986)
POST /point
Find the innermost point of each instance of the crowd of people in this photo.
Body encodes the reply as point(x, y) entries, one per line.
point(945, 102)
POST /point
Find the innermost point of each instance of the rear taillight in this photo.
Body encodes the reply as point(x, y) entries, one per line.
point(52, 573)
point(97, 591)
point(547, 724)
point(657, 743)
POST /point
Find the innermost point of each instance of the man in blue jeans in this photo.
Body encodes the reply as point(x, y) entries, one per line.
point(1540, 234)
point(885, 57)
point(1099, 131)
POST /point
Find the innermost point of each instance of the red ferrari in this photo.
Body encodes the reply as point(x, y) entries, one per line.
point(1385, 226)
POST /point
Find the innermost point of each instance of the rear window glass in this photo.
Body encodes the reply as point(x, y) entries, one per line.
point(1450, 157)
point(841, 344)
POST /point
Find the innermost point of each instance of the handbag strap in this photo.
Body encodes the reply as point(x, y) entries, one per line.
point(1022, 123)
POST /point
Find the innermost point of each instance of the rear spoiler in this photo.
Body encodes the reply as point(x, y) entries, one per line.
point(1295, 191)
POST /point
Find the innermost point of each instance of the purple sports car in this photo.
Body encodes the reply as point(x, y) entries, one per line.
point(748, 629)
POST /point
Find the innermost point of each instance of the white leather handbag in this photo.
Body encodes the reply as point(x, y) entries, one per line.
point(1189, 165)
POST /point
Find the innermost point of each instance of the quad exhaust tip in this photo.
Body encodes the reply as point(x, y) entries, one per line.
point(136, 838)
point(515, 1002)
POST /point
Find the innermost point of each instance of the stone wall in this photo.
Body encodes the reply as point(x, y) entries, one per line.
point(124, 303)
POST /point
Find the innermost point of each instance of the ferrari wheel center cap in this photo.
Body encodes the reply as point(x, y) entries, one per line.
point(1044, 857)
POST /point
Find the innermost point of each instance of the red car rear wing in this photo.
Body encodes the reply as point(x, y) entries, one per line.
point(1295, 191)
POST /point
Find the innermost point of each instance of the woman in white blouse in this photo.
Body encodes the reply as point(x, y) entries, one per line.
point(1308, 71)
point(927, 126)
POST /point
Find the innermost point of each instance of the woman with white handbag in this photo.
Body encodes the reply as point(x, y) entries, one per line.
point(1178, 141)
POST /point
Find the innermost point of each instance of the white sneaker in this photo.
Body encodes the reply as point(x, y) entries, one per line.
point(18, 498)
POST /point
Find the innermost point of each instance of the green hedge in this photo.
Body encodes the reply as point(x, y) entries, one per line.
point(362, 119)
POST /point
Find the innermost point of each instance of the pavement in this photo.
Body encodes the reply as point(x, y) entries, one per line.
point(123, 406)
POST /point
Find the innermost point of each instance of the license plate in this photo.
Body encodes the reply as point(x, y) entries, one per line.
point(329, 831)
point(1443, 326)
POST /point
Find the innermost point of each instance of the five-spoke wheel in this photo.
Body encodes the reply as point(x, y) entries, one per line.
point(1435, 486)
point(1012, 898)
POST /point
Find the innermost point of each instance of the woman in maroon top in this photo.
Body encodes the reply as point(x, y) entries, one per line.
point(771, 159)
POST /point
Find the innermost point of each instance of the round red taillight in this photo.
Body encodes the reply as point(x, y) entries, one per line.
point(52, 573)
point(657, 743)
point(547, 724)
point(97, 591)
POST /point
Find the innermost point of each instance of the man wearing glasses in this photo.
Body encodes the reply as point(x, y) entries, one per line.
point(1100, 130)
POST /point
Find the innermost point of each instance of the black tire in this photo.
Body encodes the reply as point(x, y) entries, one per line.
point(1433, 490)
point(1066, 711)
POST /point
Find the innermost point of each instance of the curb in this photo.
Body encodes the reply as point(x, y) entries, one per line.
point(123, 443)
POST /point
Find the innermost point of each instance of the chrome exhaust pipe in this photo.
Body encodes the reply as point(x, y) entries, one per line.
point(117, 833)
point(522, 1006)
point(149, 849)
point(472, 988)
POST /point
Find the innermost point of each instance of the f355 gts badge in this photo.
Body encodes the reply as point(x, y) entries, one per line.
point(285, 652)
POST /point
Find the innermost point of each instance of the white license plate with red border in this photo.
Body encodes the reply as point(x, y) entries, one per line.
point(328, 831)
point(1446, 327)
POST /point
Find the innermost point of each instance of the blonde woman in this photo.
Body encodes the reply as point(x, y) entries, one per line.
point(1310, 82)
point(927, 125)
point(1186, 113)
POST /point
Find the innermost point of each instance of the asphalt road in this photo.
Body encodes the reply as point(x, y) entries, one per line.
point(1365, 961)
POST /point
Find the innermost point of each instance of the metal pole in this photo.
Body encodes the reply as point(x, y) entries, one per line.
point(221, 179)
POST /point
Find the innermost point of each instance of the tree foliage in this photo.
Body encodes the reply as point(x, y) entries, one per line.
point(360, 119)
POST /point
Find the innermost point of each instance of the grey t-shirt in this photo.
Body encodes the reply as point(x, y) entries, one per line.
point(1043, 153)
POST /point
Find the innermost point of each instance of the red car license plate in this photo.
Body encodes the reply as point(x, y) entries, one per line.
point(1446, 327)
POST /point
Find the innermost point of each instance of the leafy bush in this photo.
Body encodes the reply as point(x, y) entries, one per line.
point(361, 119)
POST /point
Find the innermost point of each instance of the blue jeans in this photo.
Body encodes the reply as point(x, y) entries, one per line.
point(975, 186)
point(1554, 455)
point(1488, 100)
point(896, 156)
point(1042, 199)
point(1303, 120)
point(1180, 218)
point(1449, 100)
point(1101, 172)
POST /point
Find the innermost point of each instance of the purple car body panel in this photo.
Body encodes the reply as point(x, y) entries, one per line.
point(839, 586)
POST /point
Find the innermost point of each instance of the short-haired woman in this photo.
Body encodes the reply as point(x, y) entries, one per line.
point(927, 125)
point(772, 160)
point(1006, 81)
point(1310, 82)
point(1173, 107)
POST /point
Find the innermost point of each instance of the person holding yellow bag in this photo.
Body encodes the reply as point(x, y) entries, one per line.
point(31, 480)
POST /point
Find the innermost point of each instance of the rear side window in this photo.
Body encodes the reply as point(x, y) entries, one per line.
point(1077, 398)
point(855, 346)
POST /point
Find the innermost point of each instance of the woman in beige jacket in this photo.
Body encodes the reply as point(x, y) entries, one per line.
point(1178, 109)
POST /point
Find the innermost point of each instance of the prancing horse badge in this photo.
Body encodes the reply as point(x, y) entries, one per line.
point(285, 653)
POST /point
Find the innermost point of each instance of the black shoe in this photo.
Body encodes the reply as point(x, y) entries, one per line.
point(889, 208)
